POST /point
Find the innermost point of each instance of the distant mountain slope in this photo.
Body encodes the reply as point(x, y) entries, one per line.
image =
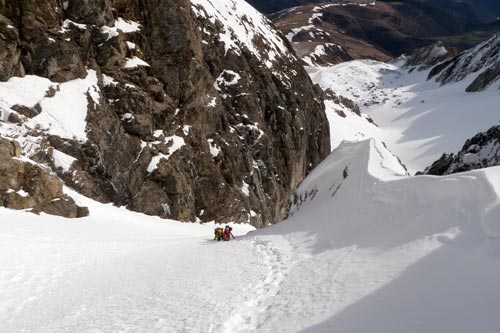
point(472, 37)
point(335, 31)
point(273, 6)
point(332, 33)
point(457, 14)
point(418, 118)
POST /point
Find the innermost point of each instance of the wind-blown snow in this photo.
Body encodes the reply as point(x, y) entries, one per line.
point(378, 251)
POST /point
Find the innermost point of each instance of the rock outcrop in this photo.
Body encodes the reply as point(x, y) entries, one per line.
point(481, 151)
point(483, 61)
point(427, 57)
point(193, 110)
point(24, 185)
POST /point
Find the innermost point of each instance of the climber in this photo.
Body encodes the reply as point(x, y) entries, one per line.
point(219, 234)
point(227, 233)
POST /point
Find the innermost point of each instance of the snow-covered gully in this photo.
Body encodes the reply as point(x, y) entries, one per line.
point(387, 247)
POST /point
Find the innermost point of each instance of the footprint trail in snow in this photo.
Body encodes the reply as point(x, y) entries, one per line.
point(251, 313)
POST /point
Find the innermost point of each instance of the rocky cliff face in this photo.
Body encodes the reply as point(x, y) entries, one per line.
point(186, 110)
point(427, 57)
point(482, 61)
point(481, 151)
point(24, 185)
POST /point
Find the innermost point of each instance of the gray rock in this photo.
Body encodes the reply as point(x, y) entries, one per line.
point(29, 186)
point(481, 151)
point(482, 59)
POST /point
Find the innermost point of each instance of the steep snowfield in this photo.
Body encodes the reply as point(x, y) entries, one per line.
point(121, 271)
point(419, 120)
point(368, 249)
point(378, 251)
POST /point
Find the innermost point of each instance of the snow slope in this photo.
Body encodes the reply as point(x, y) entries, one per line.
point(419, 120)
point(405, 254)
point(367, 248)
point(120, 271)
point(378, 251)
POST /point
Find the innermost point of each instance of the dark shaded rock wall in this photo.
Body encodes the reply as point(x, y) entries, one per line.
point(480, 151)
point(202, 133)
point(483, 61)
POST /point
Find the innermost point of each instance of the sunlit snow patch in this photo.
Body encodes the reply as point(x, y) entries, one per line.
point(64, 114)
point(177, 143)
point(135, 62)
point(62, 160)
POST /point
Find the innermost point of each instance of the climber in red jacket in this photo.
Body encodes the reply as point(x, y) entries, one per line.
point(227, 233)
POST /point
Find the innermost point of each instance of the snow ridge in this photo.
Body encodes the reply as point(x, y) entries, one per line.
point(363, 236)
